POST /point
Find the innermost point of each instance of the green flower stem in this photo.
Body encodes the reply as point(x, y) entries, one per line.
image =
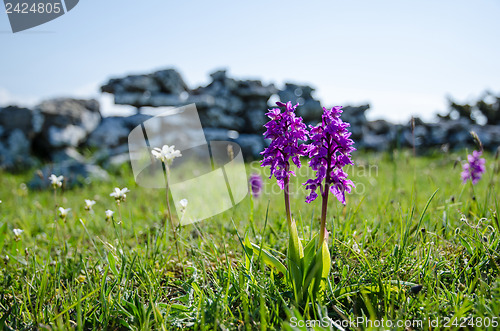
point(174, 229)
point(121, 222)
point(54, 229)
point(56, 221)
point(324, 209)
point(55, 204)
point(287, 202)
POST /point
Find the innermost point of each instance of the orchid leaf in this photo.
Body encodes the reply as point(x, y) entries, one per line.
point(310, 252)
point(268, 258)
point(295, 260)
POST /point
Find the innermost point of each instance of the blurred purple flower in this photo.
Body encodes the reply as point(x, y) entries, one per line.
point(255, 182)
point(330, 150)
point(285, 130)
point(474, 168)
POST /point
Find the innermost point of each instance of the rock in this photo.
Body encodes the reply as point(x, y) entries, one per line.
point(119, 159)
point(18, 126)
point(75, 174)
point(253, 89)
point(379, 127)
point(225, 102)
point(170, 81)
point(437, 135)
point(67, 123)
point(66, 111)
point(357, 118)
point(219, 117)
point(419, 134)
point(489, 136)
point(237, 104)
point(161, 88)
point(216, 134)
point(104, 157)
point(132, 83)
point(251, 144)
point(256, 118)
point(355, 114)
point(111, 139)
point(27, 120)
point(309, 108)
point(374, 142)
point(112, 132)
point(457, 132)
point(71, 135)
point(66, 154)
point(15, 152)
point(140, 83)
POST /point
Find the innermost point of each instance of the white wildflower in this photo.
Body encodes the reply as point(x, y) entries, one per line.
point(166, 154)
point(17, 232)
point(183, 204)
point(109, 214)
point(119, 195)
point(355, 247)
point(89, 204)
point(63, 212)
point(56, 181)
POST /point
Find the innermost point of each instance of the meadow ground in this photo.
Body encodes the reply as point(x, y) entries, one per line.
point(394, 260)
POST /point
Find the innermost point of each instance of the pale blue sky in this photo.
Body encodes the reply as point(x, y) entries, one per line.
point(404, 57)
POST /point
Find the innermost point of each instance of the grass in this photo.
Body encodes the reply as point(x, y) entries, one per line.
point(413, 244)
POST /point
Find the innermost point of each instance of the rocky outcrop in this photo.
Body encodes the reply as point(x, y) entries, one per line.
point(229, 109)
point(18, 127)
point(110, 139)
point(455, 134)
point(224, 103)
point(50, 132)
point(66, 123)
point(357, 118)
point(229, 105)
point(162, 88)
point(234, 104)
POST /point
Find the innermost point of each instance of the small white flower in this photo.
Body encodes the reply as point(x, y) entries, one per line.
point(183, 204)
point(355, 248)
point(17, 232)
point(63, 212)
point(109, 214)
point(56, 181)
point(89, 204)
point(166, 154)
point(119, 195)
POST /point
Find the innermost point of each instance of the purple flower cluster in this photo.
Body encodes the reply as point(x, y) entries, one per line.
point(329, 151)
point(255, 182)
point(474, 168)
point(285, 131)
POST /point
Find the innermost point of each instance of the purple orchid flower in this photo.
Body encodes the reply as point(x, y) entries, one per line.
point(330, 151)
point(255, 182)
point(285, 130)
point(474, 168)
